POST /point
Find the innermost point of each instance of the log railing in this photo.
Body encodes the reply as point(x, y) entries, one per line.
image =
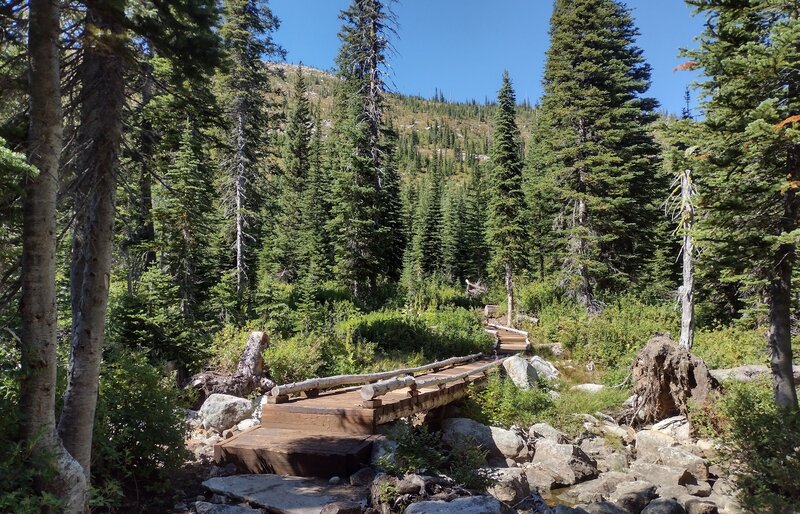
point(312, 387)
point(372, 391)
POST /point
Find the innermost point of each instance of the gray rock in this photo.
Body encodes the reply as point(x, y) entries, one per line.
point(334, 480)
point(680, 457)
point(564, 509)
point(383, 450)
point(661, 475)
point(544, 368)
point(634, 496)
point(613, 462)
point(247, 424)
point(588, 388)
point(677, 427)
point(567, 461)
point(511, 485)
point(222, 411)
point(604, 508)
point(674, 492)
point(747, 373)
point(541, 479)
point(700, 489)
point(342, 508)
point(521, 372)
point(698, 506)
point(499, 442)
point(596, 490)
point(649, 441)
point(408, 485)
point(724, 487)
point(362, 477)
point(213, 508)
point(545, 431)
point(290, 495)
point(469, 505)
point(664, 506)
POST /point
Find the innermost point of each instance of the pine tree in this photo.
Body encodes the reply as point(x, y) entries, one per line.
point(476, 259)
point(505, 230)
point(247, 37)
point(597, 148)
point(366, 226)
point(751, 170)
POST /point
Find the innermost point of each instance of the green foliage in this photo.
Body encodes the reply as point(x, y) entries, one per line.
point(294, 359)
point(759, 445)
point(570, 405)
point(731, 346)
point(138, 441)
point(500, 403)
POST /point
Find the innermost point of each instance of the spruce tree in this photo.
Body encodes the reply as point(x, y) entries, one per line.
point(505, 232)
point(366, 224)
point(595, 145)
point(751, 167)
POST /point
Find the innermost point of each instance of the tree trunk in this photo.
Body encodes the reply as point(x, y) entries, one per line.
point(687, 290)
point(779, 335)
point(239, 186)
point(38, 304)
point(510, 295)
point(99, 139)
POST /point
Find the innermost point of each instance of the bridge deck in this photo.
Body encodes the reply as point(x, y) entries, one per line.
point(332, 434)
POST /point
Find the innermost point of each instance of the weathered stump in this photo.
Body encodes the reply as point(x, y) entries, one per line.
point(248, 378)
point(666, 378)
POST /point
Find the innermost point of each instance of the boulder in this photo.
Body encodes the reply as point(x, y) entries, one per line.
point(588, 388)
point(664, 506)
point(468, 505)
point(544, 369)
point(748, 373)
point(342, 508)
point(673, 492)
point(500, 443)
point(289, 495)
point(701, 489)
point(511, 485)
point(596, 490)
point(215, 508)
point(604, 508)
point(661, 475)
point(634, 496)
point(541, 479)
point(680, 457)
point(521, 372)
point(649, 441)
point(545, 431)
point(568, 462)
point(222, 411)
point(362, 477)
point(615, 461)
point(564, 509)
point(698, 506)
point(614, 430)
point(676, 426)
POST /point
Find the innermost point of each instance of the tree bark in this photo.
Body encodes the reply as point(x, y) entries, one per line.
point(38, 304)
point(99, 139)
point(779, 335)
point(687, 290)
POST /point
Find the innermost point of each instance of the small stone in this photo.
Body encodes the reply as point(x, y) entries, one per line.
point(511, 485)
point(341, 508)
point(545, 431)
point(588, 388)
point(227, 434)
point(700, 489)
point(649, 441)
point(334, 480)
point(211, 508)
point(698, 506)
point(362, 477)
point(247, 424)
point(664, 506)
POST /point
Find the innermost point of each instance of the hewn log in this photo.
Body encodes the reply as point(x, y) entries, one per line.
point(248, 378)
point(370, 391)
point(323, 383)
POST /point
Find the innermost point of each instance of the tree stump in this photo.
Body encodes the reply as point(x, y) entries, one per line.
point(666, 379)
point(248, 378)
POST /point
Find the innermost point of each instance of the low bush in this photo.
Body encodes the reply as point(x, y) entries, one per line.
point(728, 347)
point(759, 446)
point(139, 431)
point(499, 402)
point(296, 358)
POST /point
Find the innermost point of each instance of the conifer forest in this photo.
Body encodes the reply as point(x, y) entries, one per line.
point(188, 222)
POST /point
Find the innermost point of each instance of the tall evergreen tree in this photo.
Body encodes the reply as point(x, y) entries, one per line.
point(596, 146)
point(247, 37)
point(366, 224)
point(750, 55)
point(505, 230)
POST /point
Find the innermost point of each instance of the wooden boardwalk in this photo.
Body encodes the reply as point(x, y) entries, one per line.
point(331, 433)
point(508, 340)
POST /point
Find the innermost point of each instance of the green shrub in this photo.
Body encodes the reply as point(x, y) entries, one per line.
point(570, 405)
point(293, 359)
point(499, 402)
point(139, 431)
point(761, 446)
point(455, 331)
point(533, 297)
point(728, 347)
point(435, 292)
point(227, 346)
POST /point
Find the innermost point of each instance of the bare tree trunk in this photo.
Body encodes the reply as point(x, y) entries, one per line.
point(239, 185)
point(99, 139)
point(578, 253)
point(38, 304)
point(779, 335)
point(510, 295)
point(687, 290)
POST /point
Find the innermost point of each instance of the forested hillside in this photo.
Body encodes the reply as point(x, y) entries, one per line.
point(183, 215)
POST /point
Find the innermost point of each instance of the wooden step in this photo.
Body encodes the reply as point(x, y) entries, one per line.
point(295, 452)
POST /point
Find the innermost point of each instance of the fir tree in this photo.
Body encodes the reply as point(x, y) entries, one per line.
point(505, 231)
point(366, 224)
point(597, 148)
point(751, 171)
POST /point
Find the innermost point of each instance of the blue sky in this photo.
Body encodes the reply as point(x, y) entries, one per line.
point(462, 47)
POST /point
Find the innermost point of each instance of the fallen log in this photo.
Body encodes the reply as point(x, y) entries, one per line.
point(248, 378)
point(322, 383)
